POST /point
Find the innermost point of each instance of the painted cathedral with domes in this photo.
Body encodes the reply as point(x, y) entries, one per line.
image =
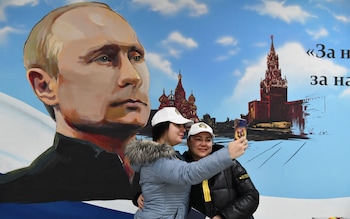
point(186, 107)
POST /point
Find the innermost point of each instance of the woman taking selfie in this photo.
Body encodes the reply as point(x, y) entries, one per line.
point(164, 178)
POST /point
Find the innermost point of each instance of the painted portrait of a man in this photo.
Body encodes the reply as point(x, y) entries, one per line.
point(85, 63)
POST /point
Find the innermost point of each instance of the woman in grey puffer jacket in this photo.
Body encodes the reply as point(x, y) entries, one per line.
point(165, 179)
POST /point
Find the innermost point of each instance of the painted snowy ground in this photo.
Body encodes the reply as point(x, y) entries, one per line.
point(298, 179)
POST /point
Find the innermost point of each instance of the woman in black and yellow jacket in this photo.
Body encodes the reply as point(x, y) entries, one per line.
point(228, 195)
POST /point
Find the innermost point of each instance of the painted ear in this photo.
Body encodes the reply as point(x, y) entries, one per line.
point(44, 86)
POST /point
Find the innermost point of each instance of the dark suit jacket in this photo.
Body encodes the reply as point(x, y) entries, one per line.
point(70, 170)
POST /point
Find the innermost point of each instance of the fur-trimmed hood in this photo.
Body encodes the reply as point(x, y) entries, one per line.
point(145, 151)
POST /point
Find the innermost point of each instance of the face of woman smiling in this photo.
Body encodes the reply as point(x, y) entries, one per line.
point(200, 145)
point(103, 78)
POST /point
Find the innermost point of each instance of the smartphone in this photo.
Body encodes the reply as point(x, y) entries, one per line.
point(240, 126)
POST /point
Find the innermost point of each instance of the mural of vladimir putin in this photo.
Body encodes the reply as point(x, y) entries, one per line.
point(85, 63)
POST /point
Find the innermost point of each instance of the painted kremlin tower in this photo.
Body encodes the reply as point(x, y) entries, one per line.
point(273, 112)
point(185, 106)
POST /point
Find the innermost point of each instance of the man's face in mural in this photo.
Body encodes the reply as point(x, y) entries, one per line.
point(103, 78)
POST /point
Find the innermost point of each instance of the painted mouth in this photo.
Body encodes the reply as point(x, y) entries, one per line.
point(130, 104)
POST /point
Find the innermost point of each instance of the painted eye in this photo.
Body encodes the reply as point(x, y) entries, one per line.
point(102, 58)
point(135, 56)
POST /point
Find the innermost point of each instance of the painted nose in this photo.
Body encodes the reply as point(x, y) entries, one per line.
point(129, 76)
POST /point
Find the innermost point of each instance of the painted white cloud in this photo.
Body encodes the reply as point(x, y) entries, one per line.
point(176, 42)
point(233, 52)
point(6, 3)
point(345, 93)
point(174, 52)
point(339, 17)
point(227, 41)
point(4, 32)
point(278, 9)
point(156, 61)
point(169, 7)
point(179, 39)
point(227, 56)
point(342, 18)
point(322, 32)
point(221, 58)
point(236, 73)
point(260, 44)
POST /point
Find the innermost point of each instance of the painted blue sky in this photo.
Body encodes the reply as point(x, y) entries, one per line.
point(220, 47)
